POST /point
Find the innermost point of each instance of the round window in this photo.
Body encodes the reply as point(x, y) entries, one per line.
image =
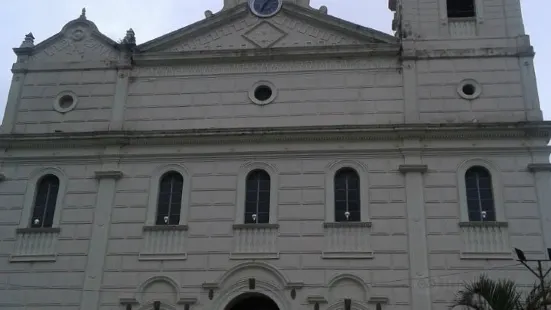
point(262, 93)
point(469, 89)
point(65, 102)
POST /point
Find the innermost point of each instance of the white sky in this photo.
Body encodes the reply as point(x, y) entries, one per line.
point(151, 19)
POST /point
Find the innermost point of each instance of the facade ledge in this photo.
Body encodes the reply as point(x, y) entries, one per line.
point(316, 299)
point(378, 300)
point(254, 255)
point(539, 167)
point(108, 174)
point(487, 255)
point(187, 301)
point(128, 301)
point(413, 168)
point(35, 245)
point(165, 227)
point(280, 134)
point(347, 255)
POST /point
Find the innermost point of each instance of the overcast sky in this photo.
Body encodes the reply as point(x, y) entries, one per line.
point(151, 19)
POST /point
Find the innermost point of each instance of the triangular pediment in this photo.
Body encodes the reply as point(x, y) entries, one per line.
point(78, 41)
point(238, 28)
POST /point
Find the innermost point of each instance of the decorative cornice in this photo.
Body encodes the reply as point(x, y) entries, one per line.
point(347, 224)
point(280, 134)
point(539, 167)
point(165, 228)
point(413, 168)
point(255, 226)
point(108, 174)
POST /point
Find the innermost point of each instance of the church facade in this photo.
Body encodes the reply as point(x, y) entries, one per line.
point(274, 156)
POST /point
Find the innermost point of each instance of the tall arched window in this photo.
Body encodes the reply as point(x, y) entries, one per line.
point(169, 203)
point(347, 196)
point(257, 199)
point(480, 197)
point(47, 189)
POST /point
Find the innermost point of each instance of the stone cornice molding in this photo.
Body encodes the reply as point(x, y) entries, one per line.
point(414, 54)
point(282, 53)
point(289, 134)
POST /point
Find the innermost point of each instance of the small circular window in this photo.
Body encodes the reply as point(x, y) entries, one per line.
point(65, 102)
point(469, 89)
point(262, 93)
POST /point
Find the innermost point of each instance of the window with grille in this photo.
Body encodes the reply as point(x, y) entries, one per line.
point(461, 8)
point(257, 199)
point(169, 203)
point(347, 196)
point(45, 202)
point(480, 198)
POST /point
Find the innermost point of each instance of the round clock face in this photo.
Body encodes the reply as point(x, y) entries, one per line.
point(265, 8)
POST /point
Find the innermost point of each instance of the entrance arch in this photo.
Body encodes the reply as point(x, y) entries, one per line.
point(252, 301)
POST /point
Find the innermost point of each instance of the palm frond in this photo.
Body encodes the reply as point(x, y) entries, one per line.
point(537, 299)
point(487, 294)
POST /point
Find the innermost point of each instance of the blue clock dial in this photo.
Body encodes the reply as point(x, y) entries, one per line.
point(265, 7)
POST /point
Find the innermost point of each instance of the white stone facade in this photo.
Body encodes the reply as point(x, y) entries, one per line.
point(108, 120)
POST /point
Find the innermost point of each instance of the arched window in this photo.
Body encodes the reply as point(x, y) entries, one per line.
point(47, 189)
point(347, 196)
point(257, 197)
point(480, 197)
point(169, 203)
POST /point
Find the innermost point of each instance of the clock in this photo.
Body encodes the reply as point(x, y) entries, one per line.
point(265, 8)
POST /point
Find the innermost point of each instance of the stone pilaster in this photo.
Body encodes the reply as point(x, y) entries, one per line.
point(413, 171)
point(12, 104)
point(107, 178)
point(542, 175)
point(411, 107)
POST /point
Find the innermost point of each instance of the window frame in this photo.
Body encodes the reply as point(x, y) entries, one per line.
point(461, 17)
point(347, 170)
point(330, 173)
point(496, 189)
point(31, 192)
point(257, 200)
point(171, 174)
point(154, 187)
point(243, 174)
point(478, 8)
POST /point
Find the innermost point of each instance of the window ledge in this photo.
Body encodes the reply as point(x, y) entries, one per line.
point(38, 230)
point(251, 226)
point(483, 224)
point(486, 255)
point(161, 256)
point(17, 258)
point(253, 255)
point(347, 255)
point(347, 224)
point(165, 228)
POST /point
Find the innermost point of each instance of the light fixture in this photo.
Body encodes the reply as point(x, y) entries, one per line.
point(483, 214)
point(347, 215)
point(166, 219)
point(36, 221)
point(254, 218)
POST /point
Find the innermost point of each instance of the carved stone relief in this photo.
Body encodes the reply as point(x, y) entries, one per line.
point(76, 44)
point(279, 31)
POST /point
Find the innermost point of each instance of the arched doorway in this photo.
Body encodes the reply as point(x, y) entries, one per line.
point(252, 301)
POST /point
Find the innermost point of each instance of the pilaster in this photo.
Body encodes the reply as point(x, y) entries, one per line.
point(411, 107)
point(12, 105)
point(107, 177)
point(542, 175)
point(413, 171)
point(530, 89)
point(124, 67)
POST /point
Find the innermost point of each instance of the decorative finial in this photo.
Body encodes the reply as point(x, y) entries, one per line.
point(323, 9)
point(130, 37)
point(208, 13)
point(29, 40)
point(83, 14)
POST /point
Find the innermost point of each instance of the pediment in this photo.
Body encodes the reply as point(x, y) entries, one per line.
point(239, 29)
point(78, 41)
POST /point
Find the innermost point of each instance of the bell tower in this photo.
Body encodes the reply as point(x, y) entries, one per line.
point(232, 3)
point(448, 19)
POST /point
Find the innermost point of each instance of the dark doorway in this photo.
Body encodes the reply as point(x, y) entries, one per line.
point(252, 301)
